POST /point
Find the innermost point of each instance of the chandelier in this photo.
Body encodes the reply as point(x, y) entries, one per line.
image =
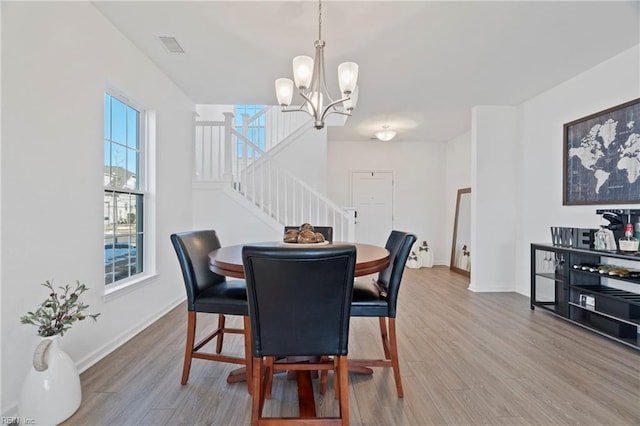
point(310, 81)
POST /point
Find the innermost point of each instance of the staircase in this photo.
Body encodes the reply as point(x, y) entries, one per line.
point(248, 161)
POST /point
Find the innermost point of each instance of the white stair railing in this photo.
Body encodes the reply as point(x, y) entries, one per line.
point(215, 146)
point(223, 153)
point(290, 201)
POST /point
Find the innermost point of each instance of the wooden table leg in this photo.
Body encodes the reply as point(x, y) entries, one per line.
point(306, 401)
point(237, 375)
point(357, 367)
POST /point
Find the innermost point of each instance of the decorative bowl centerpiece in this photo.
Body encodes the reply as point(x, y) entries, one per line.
point(303, 235)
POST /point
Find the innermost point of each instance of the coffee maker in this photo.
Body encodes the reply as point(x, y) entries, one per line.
point(618, 218)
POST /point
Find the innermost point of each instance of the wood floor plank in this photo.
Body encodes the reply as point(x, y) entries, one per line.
point(466, 358)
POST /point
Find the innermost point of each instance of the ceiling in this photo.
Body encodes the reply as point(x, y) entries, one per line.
point(423, 64)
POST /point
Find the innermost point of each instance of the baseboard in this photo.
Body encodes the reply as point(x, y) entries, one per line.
point(95, 356)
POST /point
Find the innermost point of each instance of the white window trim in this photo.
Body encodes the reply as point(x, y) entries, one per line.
point(148, 170)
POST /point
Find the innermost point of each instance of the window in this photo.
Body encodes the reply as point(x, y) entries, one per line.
point(124, 194)
point(255, 130)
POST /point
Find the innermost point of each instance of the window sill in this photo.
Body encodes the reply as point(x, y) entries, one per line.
point(113, 291)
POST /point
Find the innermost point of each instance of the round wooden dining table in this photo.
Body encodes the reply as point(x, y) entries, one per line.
point(227, 261)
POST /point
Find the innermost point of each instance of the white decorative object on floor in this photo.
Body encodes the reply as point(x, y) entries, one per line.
point(425, 255)
point(51, 392)
point(463, 259)
point(413, 262)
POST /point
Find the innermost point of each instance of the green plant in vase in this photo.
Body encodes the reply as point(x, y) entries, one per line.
point(57, 313)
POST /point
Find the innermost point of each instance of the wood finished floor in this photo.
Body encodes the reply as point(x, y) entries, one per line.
point(466, 359)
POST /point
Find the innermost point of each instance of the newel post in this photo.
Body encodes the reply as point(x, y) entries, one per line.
point(227, 172)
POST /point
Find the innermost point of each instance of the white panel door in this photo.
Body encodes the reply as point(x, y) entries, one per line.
point(372, 197)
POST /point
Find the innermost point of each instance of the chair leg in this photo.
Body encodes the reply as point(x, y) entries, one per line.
point(384, 336)
point(324, 375)
point(395, 363)
point(221, 323)
point(343, 367)
point(257, 400)
point(191, 336)
point(248, 352)
point(336, 377)
point(268, 377)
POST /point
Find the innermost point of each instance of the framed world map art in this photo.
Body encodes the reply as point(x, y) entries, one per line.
point(602, 157)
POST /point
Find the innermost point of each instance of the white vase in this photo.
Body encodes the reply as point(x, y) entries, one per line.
point(51, 391)
point(413, 262)
point(425, 255)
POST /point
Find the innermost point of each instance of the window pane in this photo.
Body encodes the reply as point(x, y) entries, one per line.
point(107, 116)
point(130, 214)
point(122, 210)
point(118, 165)
point(255, 132)
point(109, 216)
point(109, 239)
point(118, 121)
point(108, 264)
point(132, 169)
point(132, 128)
point(117, 260)
point(107, 163)
point(137, 256)
point(139, 214)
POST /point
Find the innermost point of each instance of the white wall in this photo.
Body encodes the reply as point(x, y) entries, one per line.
point(418, 169)
point(212, 112)
point(216, 206)
point(610, 83)
point(57, 59)
point(305, 157)
point(457, 176)
point(494, 171)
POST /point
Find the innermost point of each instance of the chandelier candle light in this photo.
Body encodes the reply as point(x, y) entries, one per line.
point(310, 80)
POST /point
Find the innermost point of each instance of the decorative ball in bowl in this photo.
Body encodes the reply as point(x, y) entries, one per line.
point(303, 235)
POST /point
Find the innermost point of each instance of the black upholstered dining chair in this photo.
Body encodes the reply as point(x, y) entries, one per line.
point(208, 292)
point(299, 306)
point(326, 231)
point(379, 299)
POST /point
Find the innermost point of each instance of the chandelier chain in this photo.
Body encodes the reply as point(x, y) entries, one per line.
point(319, 19)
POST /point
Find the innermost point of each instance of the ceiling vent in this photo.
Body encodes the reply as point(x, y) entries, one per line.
point(171, 44)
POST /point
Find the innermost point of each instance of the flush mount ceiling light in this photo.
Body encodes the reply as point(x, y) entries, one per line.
point(310, 80)
point(386, 134)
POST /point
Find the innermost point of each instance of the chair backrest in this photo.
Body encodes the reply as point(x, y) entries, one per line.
point(192, 248)
point(399, 244)
point(299, 298)
point(326, 231)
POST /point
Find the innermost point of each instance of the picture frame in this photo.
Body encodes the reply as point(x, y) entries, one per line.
point(601, 163)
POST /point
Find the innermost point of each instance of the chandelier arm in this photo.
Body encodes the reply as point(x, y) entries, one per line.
point(327, 109)
point(336, 111)
point(308, 100)
point(296, 109)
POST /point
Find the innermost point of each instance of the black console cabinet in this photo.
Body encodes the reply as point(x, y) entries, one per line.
point(567, 282)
